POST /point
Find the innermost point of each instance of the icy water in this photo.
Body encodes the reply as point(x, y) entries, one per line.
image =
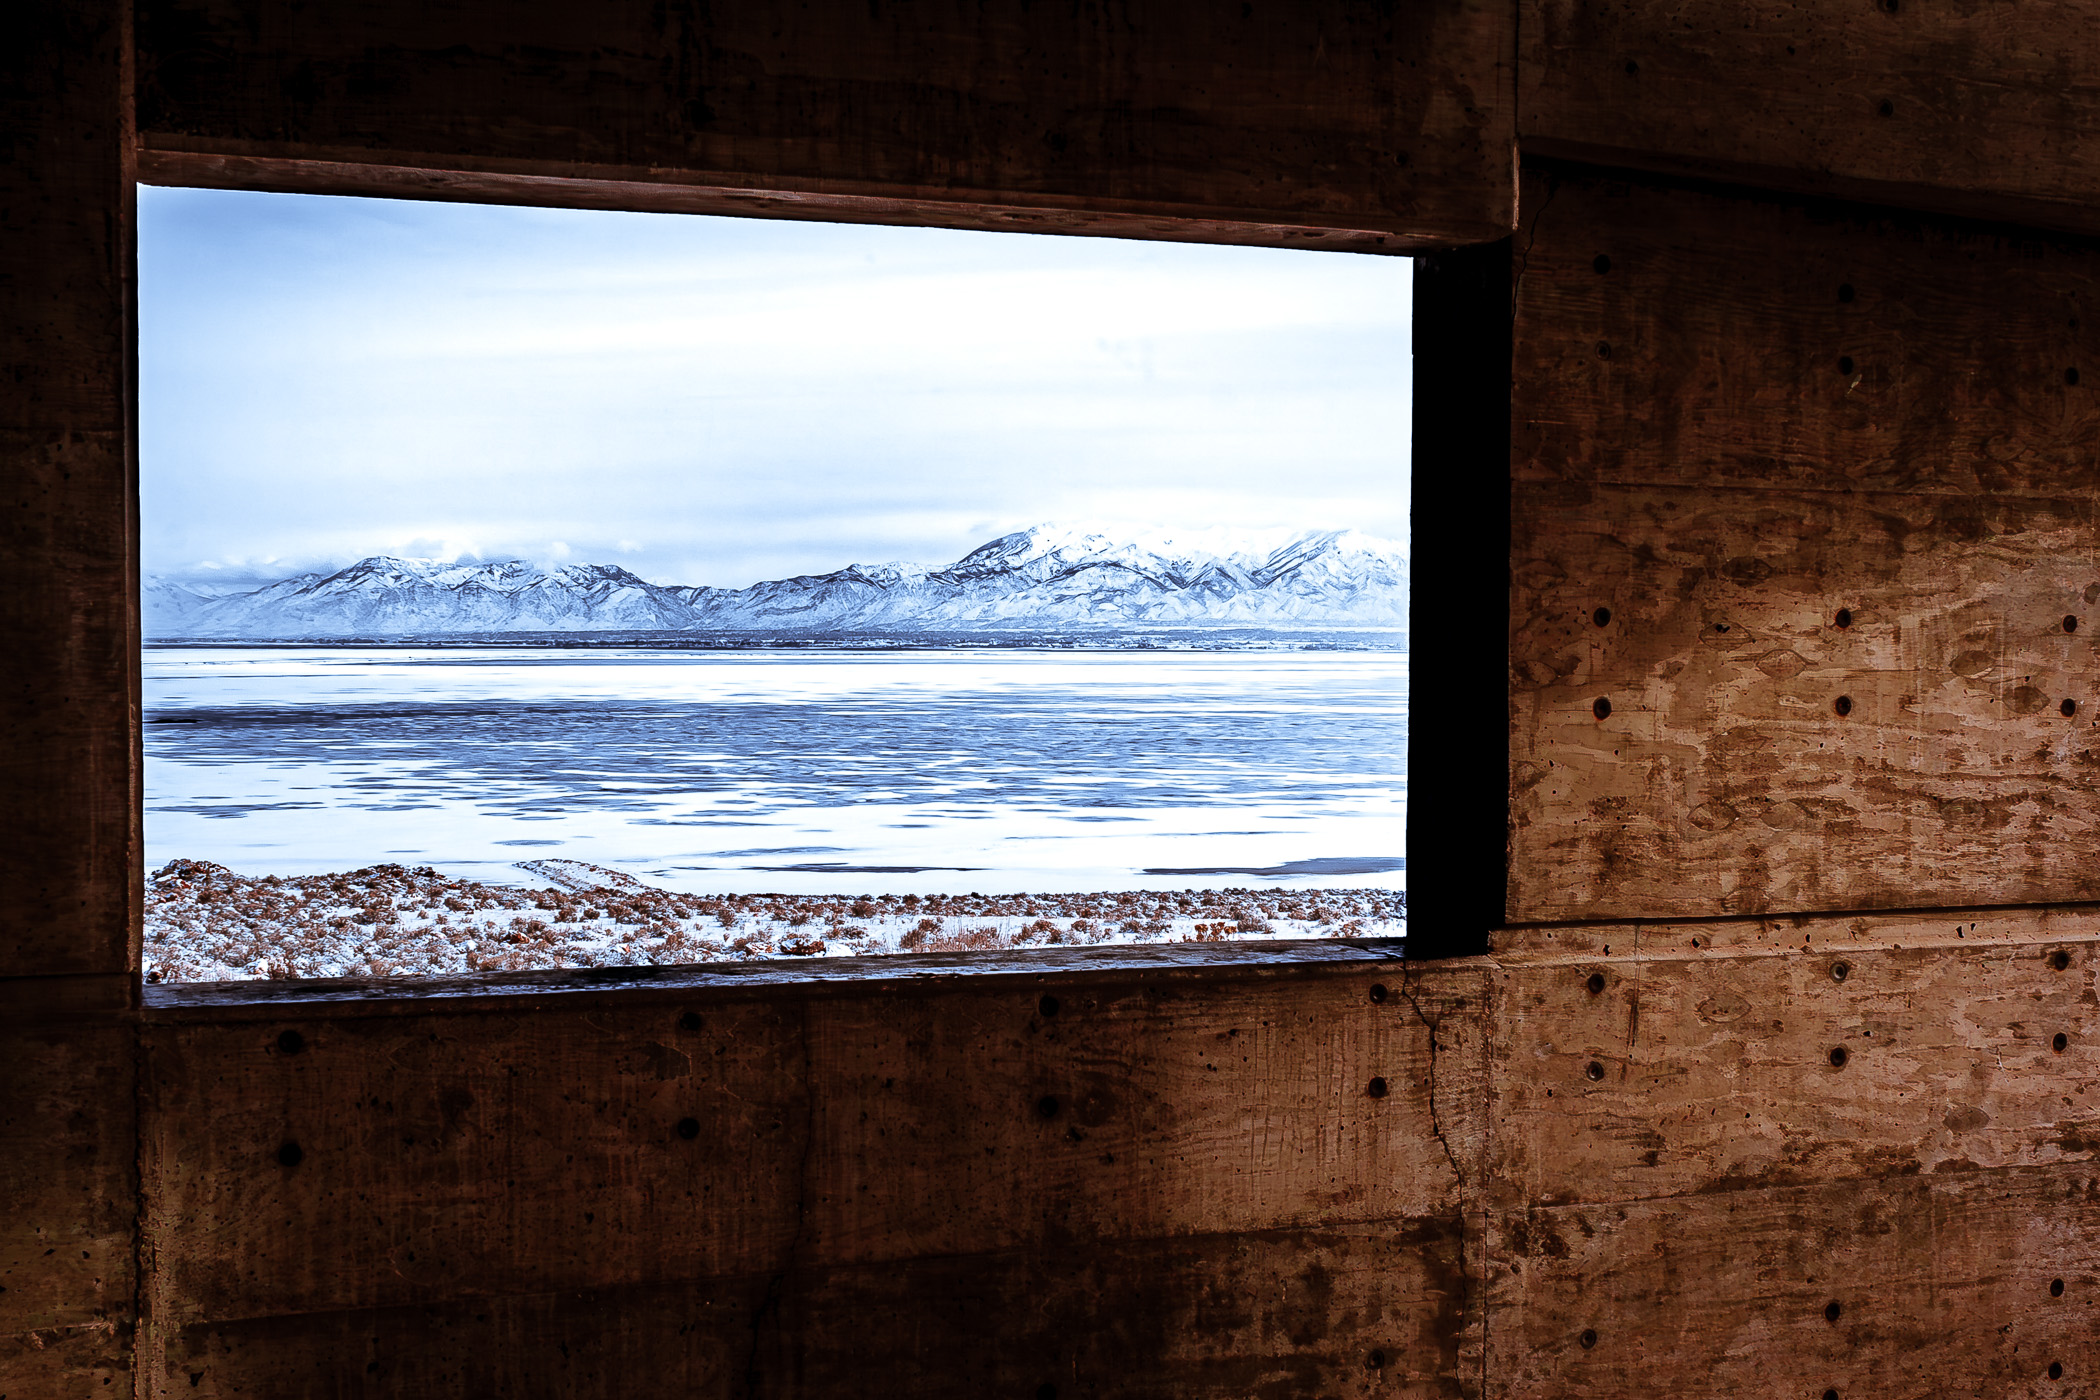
point(790, 771)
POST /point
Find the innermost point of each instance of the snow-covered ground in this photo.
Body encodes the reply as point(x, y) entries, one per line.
point(206, 923)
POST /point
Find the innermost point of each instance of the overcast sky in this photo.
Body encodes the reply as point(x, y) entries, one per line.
point(719, 401)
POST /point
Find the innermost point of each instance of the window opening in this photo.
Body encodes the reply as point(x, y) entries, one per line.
point(540, 588)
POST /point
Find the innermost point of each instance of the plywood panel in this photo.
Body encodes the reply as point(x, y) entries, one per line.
point(908, 1153)
point(1969, 108)
point(1338, 1312)
point(1943, 1285)
point(1391, 122)
point(69, 1181)
point(68, 828)
point(1803, 562)
point(1677, 1078)
point(1739, 341)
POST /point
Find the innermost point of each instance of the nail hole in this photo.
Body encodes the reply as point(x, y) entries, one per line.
point(1601, 262)
point(2070, 622)
point(1632, 69)
point(1594, 1070)
point(1378, 993)
point(1845, 292)
point(291, 1154)
point(1603, 349)
point(2061, 1042)
point(1376, 1088)
point(2056, 1370)
point(1602, 617)
point(1889, 5)
point(1046, 1391)
point(1596, 983)
point(1830, 1394)
point(1602, 708)
point(1048, 1006)
point(1840, 971)
point(290, 1042)
point(1588, 1338)
point(1376, 1360)
point(1844, 364)
point(2069, 708)
point(1887, 108)
point(1838, 1056)
point(1833, 1310)
point(688, 1128)
point(1046, 1106)
point(2071, 376)
point(2056, 1288)
point(1843, 705)
point(690, 1021)
point(2059, 960)
point(1844, 617)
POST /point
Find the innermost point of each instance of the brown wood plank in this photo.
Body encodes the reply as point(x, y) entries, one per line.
point(793, 979)
point(1679, 1078)
point(1830, 562)
point(472, 1156)
point(69, 1184)
point(1712, 348)
point(1391, 121)
point(2052, 929)
point(69, 889)
point(1817, 700)
point(1266, 1314)
point(1964, 108)
point(1943, 1285)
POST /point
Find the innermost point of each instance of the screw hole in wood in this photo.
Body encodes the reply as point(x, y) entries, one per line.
point(1602, 708)
point(290, 1042)
point(1596, 983)
point(1839, 971)
point(1843, 705)
point(1594, 1070)
point(1838, 1056)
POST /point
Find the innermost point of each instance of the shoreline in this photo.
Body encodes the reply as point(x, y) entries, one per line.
point(205, 922)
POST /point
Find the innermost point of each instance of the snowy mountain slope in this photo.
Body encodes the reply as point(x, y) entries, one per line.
point(1046, 577)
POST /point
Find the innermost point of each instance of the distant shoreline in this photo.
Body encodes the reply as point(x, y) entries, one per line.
point(1392, 639)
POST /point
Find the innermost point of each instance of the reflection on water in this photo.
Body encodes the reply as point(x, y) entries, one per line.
point(784, 770)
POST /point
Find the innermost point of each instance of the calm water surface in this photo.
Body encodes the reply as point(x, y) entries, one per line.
point(786, 771)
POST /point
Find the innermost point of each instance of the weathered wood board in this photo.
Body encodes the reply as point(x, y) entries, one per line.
point(1780, 647)
point(1681, 1222)
point(68, 1191)
point(1627, 1078)
point(1384, 126)
point(68, 591)
point(1346, 1312)
point(1267, 1158)
point(1979, 109)
point(1943, 1286)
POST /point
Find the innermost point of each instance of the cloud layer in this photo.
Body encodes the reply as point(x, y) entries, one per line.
point(718, 401)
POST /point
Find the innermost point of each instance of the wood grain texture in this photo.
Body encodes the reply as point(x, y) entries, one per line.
point(916, 1154)
point(1942, 1283)
point(1781, 641)
point(1388, 120)
point(1966, 108)
point(69, 1181)
point(1678, 1078)
point(1713, 348)
point(1266, 1315)
point(69, 891)
point(786, 979)
point(1681, 1222)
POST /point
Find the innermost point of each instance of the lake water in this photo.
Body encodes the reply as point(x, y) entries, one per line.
point(786, 770)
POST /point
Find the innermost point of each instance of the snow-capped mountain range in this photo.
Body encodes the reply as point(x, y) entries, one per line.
point(1047, 577)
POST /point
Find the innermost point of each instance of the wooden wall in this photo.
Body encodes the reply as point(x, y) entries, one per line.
point(1779, 1078)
